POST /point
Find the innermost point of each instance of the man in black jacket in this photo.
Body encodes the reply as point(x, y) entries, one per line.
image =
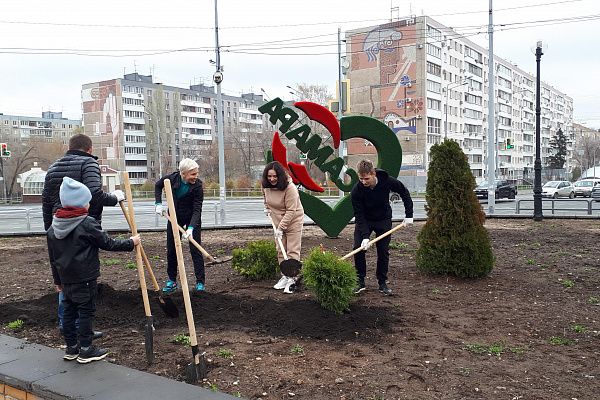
point(188, 195)
point(372, 212)
point(78, 164)
point(73, 242)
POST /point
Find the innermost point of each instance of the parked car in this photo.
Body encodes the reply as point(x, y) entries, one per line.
point(584, 187)
point(503, 190)
point(596, 193)
point(556, 189)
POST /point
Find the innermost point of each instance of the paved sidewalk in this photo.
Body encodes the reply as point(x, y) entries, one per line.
point(41, 371)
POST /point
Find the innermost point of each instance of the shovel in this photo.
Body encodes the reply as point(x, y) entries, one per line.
point(196, 370)
point(289, 267)
point(377, 239)
point(149, 336)
point(166, 304)
point(193, 241)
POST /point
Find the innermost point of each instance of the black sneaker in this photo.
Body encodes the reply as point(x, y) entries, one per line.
point(360, 288)
point(71, 353)
point(91, 354)
point(383, 288)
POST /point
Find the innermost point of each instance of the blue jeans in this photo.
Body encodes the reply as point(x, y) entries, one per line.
point(79, 300)
point(61, 310)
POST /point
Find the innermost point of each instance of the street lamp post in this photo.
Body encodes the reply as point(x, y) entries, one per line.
point(537, 185)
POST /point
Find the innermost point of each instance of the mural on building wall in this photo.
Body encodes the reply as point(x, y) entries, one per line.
point(103, 103)
point(392, 50)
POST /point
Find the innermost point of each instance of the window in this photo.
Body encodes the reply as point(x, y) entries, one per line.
point(433, 125)
point(471, 98)
point(434, 87)
point(434, 33)
point(472, 113)
point(433, 104)
point(434, 69)
point(434, 50)
point(474, 69)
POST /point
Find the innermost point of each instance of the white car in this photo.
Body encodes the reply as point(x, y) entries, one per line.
point(556, 189)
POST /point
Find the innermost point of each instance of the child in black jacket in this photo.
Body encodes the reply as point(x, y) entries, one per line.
point(73, 242)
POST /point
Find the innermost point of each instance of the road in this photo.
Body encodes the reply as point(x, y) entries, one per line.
point(27, 219)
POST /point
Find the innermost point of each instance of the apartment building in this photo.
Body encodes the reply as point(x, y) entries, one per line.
point(427, 83)
point(145, 127)
point(51, 127)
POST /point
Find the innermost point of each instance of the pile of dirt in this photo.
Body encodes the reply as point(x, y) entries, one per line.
point(529, 330)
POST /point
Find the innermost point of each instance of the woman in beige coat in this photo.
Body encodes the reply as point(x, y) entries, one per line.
point(282, 202)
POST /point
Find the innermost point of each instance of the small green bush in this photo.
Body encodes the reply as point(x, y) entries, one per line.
point(330, 279)
point(258, 261)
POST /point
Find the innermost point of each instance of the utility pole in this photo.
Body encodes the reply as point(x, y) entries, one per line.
point(340, 102)
point(491, 135)
point(218, 78)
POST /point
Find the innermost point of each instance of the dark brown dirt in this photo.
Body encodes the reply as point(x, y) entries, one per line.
point(413, 345)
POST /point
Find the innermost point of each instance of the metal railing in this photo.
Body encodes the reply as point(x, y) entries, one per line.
point(551, 206)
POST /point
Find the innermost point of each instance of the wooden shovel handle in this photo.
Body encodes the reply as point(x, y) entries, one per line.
point(138, 253)
point(146, 262)
point(191, 239)
point(181, 266)
point(285, 257)
point(377, 239)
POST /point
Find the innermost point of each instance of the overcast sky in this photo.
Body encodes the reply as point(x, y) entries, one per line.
point(50, 48)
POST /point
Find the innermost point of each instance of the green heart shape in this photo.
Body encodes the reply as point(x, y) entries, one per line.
point(333, 220)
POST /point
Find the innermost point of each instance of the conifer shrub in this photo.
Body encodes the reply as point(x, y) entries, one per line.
point(256, 262)
point(453, 241)
point(330, 279)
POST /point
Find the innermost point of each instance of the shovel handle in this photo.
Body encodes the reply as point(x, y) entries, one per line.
point(377, 239)
point(146, 262)
point(285, 257)
point(138, 252)
point(181, 267)
point(191, 239)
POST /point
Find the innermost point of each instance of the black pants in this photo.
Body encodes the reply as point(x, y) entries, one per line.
point(79, 301)
point(383, 250)
point(197, 257)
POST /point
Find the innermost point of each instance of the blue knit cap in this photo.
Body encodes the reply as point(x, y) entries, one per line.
point(74, 194)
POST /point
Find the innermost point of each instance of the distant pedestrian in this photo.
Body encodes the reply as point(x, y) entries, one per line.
point(188, 195)
point(73, 242)
point(79, 164)
point(282, 203)
point(372, 212)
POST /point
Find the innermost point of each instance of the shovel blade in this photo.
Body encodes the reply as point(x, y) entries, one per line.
point(196, 370)
point(149, 339)
point(168, 306)
point(290, 267)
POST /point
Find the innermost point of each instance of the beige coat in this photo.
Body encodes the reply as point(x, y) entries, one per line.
point(288, 216)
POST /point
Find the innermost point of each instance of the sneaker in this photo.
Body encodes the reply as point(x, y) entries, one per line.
point(91, 354)
point(71, 353)
point(200, 286)
point(170, 286)
point(360, 287)
point(290, 286)
point(383, 288)
point(283, 281)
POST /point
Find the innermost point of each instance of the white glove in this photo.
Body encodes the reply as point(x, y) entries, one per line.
point(267, 211)
point(408, 222)
point(364, 244)
point(278, 233)
point(159, 209)
point(120, 195)
point(188, 234)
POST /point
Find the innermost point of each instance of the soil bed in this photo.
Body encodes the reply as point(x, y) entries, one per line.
point(538, 306)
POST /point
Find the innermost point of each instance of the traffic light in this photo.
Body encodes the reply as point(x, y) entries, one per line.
point(510, 144)
point(5, 152)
